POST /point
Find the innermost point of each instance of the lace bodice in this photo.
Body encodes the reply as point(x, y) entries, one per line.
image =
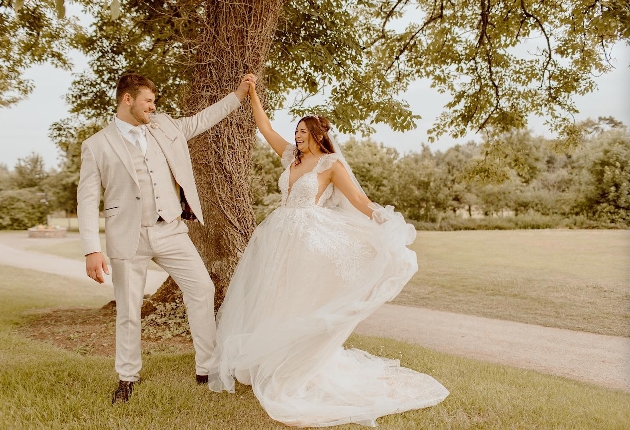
point(304, 191)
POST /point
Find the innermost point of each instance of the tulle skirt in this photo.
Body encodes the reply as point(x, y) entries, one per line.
point(306, 279)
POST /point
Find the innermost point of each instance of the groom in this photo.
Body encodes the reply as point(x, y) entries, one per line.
point(142, 163)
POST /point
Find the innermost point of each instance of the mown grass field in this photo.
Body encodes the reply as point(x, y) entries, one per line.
point(71, 248)
point(50, 388)
point(573, 279)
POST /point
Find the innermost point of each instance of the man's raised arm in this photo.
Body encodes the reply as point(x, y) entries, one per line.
point(193, 125)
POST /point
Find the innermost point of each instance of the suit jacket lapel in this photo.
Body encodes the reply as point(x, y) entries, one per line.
point(181, 168)
point(118, 144)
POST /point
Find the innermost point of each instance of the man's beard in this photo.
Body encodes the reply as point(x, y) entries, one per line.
point(138, 115)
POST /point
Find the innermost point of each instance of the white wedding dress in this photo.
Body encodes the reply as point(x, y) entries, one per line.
point(310, 273)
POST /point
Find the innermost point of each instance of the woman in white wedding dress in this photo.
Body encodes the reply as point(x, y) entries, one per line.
point(322, 262)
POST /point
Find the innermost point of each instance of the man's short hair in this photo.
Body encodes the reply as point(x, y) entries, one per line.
point(132, 83)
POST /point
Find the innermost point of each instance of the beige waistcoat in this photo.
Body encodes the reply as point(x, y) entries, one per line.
point(158, 189)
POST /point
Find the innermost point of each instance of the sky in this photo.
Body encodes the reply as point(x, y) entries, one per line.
point(25, 125)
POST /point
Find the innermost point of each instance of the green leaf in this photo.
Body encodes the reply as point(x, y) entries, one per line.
point(115, 9)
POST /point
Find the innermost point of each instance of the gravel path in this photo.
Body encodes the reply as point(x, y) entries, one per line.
point(595, 358)
point(14, 252)
point(598, 359)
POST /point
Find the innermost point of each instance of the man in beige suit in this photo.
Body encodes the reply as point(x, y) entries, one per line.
point(142, 163)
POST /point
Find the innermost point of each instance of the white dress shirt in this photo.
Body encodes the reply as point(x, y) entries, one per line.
point(134, 134)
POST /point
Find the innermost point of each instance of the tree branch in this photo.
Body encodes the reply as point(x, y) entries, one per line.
point(544, 32)
point(485, 42)
point(390, 14)
point(484, 17)
point(407, 44)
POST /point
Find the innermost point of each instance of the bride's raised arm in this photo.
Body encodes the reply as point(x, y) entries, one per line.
point(277, 142)
point(341, 179)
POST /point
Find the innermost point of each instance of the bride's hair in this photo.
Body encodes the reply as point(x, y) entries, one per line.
point(318, 127)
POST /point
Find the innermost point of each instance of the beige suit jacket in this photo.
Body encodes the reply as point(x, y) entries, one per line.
point(106, 165)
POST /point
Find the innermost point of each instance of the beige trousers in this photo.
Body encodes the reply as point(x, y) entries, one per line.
point(170, 247)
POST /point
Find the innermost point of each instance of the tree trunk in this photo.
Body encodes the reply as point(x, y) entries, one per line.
point(234, 39)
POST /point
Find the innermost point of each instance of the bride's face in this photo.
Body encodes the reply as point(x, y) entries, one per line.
point(303, 138)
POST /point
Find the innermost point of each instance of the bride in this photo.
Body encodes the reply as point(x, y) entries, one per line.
point(325, 260)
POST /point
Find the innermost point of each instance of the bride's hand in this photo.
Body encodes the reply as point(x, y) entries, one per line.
point(252, 87)
point(244, 88)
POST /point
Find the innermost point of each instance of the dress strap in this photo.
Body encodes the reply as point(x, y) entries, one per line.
point(326, 162)
point(288, 155)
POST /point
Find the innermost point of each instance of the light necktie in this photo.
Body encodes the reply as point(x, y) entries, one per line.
point(139, 138)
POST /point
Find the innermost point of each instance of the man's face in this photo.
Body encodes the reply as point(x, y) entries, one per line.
point(142, 106)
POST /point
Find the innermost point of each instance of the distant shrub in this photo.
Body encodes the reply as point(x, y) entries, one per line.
point(520, 222)
point(582, 222)
point(605, 193)
point(21, 209)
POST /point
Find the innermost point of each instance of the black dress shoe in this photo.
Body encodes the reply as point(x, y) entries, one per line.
point(202, 379)
point(123, 393)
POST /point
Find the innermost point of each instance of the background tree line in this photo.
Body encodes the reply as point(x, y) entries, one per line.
point(29, 192)
point(583, 187)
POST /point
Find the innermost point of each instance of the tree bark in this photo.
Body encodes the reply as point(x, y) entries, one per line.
point(234, 39)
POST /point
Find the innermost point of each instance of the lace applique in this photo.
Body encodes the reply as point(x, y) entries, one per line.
point(283, 184)
point(324, 233)
point(350, 256)
point(295, 220)
point(306, 187)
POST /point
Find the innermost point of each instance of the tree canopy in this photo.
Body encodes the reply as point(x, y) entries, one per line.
point(31, 33)
point(499, 61)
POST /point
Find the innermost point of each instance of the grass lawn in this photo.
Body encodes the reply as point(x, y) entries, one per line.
point(573, 279)
point(69, 248)
point(51, 388)
point(72, 249)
